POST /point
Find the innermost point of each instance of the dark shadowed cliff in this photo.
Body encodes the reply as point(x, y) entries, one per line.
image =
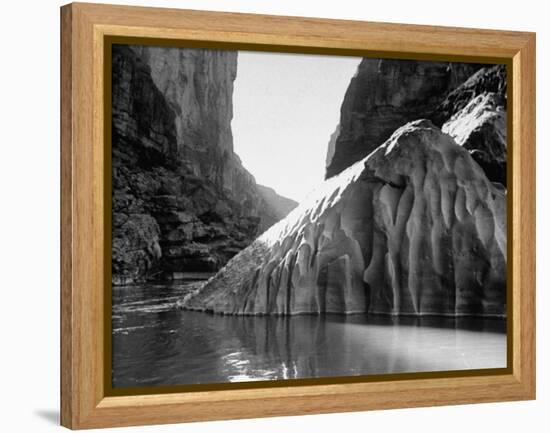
point(467, 101)
point(384, 95)
point(474, 114)
point(182, 201)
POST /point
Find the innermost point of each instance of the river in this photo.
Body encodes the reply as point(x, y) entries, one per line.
point(154, 343)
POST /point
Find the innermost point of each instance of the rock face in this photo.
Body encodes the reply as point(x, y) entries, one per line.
point(481, 128)
point(474, 114)
point(182, 201)
point(413, 228)
point(198, 87)
point(332, 145)
point(489, 79)
point(384, 95)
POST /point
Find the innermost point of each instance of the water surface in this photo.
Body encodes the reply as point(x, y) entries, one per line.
point(154, 343)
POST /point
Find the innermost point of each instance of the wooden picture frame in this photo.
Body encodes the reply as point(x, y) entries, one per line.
point(85, 401)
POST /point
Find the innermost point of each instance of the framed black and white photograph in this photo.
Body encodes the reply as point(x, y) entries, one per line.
point(311, 215)
point(289, 216)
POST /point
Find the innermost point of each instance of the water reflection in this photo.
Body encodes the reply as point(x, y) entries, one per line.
point(155, 344)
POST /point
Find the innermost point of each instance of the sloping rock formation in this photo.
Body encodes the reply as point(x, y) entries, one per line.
point(413, 228)
point(182, 201)
point(384, 95)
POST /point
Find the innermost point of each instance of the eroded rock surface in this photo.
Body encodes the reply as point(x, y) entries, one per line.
point(383, 96)
point(413, 228)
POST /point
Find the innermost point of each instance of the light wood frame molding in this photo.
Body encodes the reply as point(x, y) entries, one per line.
point(84, 403)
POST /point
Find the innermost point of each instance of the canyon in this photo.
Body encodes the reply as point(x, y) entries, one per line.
point(395, 262)
point(181, 199)
point(411, 218)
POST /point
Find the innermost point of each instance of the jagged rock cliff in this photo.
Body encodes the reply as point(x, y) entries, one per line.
point(489, 79)
point(182, 201)
point(413, 228)
point(481, 128)
point(384, 95)
point(474, 114)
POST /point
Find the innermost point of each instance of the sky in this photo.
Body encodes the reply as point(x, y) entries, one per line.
point(285, 107)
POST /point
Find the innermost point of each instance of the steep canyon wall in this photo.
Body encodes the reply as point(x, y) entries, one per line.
point(182, 200)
